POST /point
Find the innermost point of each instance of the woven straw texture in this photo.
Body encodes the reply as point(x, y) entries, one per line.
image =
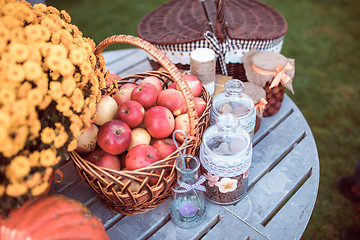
point(180, 25)
point(132, 192)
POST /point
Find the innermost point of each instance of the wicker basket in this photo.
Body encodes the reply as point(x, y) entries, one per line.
point(231, 28)
point(114, 187)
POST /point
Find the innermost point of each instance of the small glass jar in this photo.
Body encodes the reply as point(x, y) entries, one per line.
point(225, 156)
point(187, 209)
point(233, 100)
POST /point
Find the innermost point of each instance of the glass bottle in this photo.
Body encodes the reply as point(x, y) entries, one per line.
point(233, 100)
point(187, 209)
point(225, 156)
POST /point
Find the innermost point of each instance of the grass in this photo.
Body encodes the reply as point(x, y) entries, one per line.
point(324, 39)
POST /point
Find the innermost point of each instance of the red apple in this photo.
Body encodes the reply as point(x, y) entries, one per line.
point(141, 156)
point(103, 159)
point(106, 110)
point(159, 122)
point(131, 112)
point(86, 142)
point(146, 94)
point(139, 136)
point(173, 100)
point(200, 105)
point(172, 86)
point(154, 81)
point(182, 122)
point(194, 84)
point(114, 137)
point(124, 93)
point(165, 146)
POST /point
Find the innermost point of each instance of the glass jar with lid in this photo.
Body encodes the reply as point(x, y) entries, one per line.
point(226, 155)
point(233, 100)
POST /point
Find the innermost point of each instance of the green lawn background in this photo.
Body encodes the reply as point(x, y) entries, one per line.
point(324, 39)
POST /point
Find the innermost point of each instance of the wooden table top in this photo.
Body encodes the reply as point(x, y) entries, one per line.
point(283, 182)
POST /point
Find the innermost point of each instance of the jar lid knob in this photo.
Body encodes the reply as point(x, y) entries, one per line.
point(234, 87)
point(227, 122)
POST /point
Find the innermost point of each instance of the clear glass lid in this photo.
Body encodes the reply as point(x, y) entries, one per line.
point(233, 100)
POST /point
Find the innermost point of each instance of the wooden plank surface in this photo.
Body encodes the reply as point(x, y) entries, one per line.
point(283, 182)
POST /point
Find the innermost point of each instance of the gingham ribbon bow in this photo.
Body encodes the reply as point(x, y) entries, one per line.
point(187, 187)
point(220, 49)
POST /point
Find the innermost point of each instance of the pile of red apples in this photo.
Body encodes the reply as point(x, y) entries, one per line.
point(134, 126)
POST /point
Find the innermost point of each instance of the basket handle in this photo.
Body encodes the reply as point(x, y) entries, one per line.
point(166, 63)
point(220, 20)
point(216, 16)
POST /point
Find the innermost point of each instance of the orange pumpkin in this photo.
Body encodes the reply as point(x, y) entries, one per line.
point(52, 217)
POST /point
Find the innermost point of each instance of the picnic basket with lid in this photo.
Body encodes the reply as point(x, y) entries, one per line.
point(129, 192)
point(230, 27)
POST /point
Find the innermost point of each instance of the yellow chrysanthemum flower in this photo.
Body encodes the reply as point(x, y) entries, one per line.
point(15, 72)
point(34, 127)
point(35, 97)
point(6, 96)
point(63, 104)
point(85, 68)
point(65, 16)
point(33, 70)
point(34, 180)
point(72, 145)
point(39, 189)
point(68, 85)
point(18, 168)
point(17, 34)
point(77, 100)
point(34, 32)
point(61, 139)
point(77, 56)
point(34, 158)
point(45, 103)
point(48, 157)
point(16, 189)
point(24, 89)
point(47, 135)
point(19, 51)
point(56, 90)
point(58, 51)
point(66, 68)
point(53, 62)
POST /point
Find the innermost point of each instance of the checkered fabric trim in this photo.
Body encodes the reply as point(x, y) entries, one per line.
point(221, 49)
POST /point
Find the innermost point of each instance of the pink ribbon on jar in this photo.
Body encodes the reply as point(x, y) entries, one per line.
point(261, 105)
point(279, 73)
